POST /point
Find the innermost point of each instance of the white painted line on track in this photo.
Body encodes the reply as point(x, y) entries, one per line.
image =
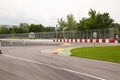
point(68, 70)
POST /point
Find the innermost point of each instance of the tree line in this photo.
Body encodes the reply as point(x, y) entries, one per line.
point(25, 28)
point(96, 20)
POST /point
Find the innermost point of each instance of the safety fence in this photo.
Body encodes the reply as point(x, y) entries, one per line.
point(102, 36)
point(84, 34)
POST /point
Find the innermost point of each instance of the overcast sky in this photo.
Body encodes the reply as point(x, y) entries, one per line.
point(47, 12)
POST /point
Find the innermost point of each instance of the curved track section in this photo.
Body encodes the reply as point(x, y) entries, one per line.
point(27, 62)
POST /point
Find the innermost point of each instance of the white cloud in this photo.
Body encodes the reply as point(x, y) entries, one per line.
point(47, 12)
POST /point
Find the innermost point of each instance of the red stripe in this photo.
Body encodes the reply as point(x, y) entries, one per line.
point(85, 40)
point(91, 40)
point(97, 40)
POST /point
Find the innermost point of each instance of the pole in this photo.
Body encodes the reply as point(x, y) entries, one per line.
point(94, 41)
point(0, 47)
point(56, 30)
point(64, 31)
point(95, 36)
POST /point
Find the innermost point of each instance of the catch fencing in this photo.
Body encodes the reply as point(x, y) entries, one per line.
point(84, 34)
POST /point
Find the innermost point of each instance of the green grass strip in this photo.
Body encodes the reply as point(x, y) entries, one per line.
point(108, 53)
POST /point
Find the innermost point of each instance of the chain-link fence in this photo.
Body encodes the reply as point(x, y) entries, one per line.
point(101, 33)
point(86, 34)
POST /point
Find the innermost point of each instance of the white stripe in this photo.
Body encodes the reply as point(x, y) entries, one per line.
point(72, 71)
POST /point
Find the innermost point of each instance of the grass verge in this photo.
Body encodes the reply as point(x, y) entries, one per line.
point(107, 53)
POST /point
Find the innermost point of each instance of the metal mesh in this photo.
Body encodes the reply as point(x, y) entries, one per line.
point(101, 33)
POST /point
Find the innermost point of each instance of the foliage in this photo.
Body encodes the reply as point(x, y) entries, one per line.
point(61, 24)
point(4, 29)
point(117, 28)
point(36, 28)
point(83, 24)
point(25, 28)
point(15, 30)
point(70, 23)
point(96, 21)
point(49, 29)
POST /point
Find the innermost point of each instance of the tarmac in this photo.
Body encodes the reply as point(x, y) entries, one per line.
point(38, 61)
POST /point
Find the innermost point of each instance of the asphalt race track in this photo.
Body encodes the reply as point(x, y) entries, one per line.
point(37, 61)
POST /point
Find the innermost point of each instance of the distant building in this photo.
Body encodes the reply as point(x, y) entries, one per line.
point(7, 25)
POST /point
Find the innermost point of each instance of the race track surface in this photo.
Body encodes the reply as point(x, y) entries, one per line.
point(37, 61)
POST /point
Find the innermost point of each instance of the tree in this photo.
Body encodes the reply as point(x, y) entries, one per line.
point(61, 24)
point(36, 28)
point(107, 22)
point(71, 22)
point(92, 13)
point(83, 24)
point(24, 28)
point(49, 29)
point(96, 21)
point(92, 19)
point(4, 30)
point(117, 28)
point(15, 29)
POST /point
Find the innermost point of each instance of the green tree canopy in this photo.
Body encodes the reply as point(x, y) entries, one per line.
point(70, 23)
point(49, 29)
point(4, 30)
point(36, 28)
point(61, 24)
point(96, 21)
point(24, 28)
point(15, 29)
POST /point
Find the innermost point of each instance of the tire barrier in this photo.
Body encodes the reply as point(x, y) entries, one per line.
point(91, 40)
point(67, 40)
point(111, 41)
point(97, 40)
point(60, 40)
point(80, 40)
point(103, 40)
point(71, 40)
point(86, 40)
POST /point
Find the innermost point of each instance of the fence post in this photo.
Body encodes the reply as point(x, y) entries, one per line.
point(0, 46)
